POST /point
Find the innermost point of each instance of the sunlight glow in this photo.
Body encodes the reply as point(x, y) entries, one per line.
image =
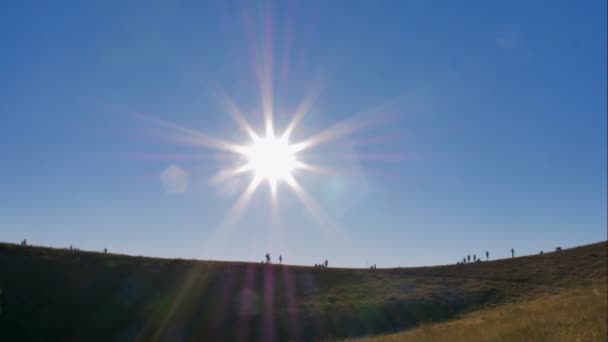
point(271, 159)
point(272, 151)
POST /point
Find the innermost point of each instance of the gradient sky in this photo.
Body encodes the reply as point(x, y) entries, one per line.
point(484, 126)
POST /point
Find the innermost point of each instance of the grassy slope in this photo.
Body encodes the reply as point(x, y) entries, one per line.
point(51, 294)
point(578, 314)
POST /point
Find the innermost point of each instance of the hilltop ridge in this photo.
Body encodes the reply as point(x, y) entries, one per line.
point(56, 294)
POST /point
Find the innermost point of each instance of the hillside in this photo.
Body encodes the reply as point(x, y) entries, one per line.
point(56, 294)
point(575, 314)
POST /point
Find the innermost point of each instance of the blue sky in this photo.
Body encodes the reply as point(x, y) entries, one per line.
point(484, 127)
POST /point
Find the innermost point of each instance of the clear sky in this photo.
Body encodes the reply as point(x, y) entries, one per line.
point(458, 127)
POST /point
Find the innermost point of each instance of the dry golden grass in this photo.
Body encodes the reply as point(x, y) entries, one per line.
point(578, 314)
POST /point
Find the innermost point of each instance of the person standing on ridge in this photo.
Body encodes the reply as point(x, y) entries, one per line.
point(512, 253)
point(280, 259)
point(487, 256)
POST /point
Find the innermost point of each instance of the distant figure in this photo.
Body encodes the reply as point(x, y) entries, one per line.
point(541, 252)
point(474, 257)
point(105, 250)
point(478, 260)
point(24, 242)
point(268, 258)
point(469, 258)
point(70, 247)
point(464, 260)
point(512, 253)
point(558, 249)
point(325, 262)
point(487, 256)
point(280, 259)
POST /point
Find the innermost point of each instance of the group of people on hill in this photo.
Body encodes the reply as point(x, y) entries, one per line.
point(323, 264)
point(467, 259)
point(24, 243)
point(268, 261)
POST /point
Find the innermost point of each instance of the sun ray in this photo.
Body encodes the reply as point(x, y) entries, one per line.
point(237, 209)
point(311, 205)
point(348, 126)
point(303, 109)
point(192, 137)
point(300, 165)
point(237, 115)
point(343, 128)
point(266, 77)
point(274, 202)
point(225, 174)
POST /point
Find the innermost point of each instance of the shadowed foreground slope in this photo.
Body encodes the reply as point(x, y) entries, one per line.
point(53, 294)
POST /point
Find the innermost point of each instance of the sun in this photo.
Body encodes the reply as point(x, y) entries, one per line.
point(271, 158)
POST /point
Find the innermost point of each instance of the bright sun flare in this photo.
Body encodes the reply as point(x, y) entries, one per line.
point(271, 158)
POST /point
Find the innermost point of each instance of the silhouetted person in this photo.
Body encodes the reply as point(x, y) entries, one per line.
point(325, 262)
point(541, 252)
point(268, 258)
point(474, 257)
point(280, 259)
point(487, 256)
point(468, 258)
point(70, 247)
point(512, 253)
point(558, 249)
